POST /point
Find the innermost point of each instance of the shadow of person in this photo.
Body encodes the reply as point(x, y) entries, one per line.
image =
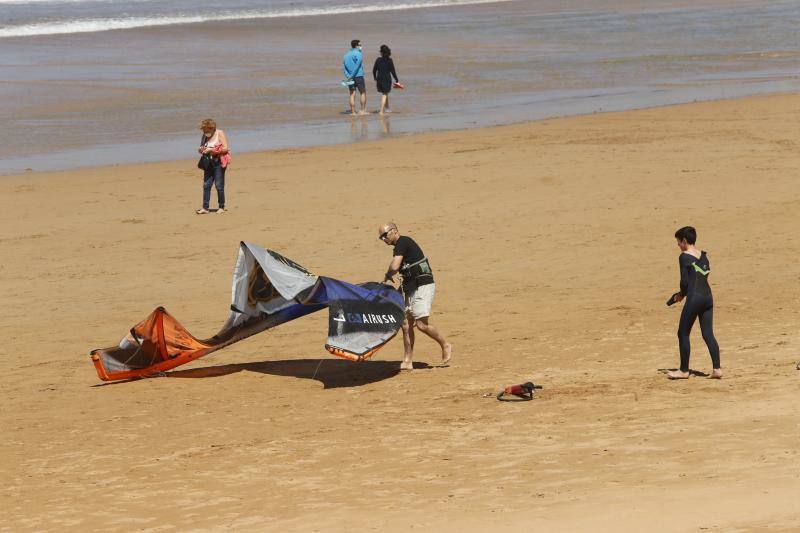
point(692, 372)
point(332, 373)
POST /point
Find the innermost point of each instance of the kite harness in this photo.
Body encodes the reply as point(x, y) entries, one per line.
point(411, 272)
point(523, 392)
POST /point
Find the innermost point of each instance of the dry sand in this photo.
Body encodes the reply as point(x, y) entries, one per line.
point(552, 248)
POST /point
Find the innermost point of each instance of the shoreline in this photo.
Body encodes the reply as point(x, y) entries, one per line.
point(131, 154)
point(276, 83)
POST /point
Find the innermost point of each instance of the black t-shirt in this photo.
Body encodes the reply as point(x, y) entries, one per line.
point(384, 70)
point(411, 252)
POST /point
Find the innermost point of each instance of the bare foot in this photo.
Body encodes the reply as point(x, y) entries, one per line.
point(447, 353)
point(203, 211)
point(716, 374)
point(407, 365)
point(677, 374)
point(363, 112)
point(220, 210)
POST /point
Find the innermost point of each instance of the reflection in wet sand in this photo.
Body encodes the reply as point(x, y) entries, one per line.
point(359, 128)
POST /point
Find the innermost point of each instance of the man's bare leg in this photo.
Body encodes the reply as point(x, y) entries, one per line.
point(384, 97)
point(352, 102)
point(408, 345)
point(363, 103)
point(433, 333)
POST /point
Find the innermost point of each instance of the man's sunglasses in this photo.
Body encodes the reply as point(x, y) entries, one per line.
point(384, 234)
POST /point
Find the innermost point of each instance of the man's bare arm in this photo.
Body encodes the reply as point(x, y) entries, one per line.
point(394, 268)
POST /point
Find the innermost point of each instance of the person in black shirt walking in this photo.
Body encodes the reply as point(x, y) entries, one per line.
point(382, 72)
point(418, 291)
point(695, 269)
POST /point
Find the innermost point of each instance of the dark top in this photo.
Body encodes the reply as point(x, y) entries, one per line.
point(694, 274)
point(412, 253)
point(384, 70)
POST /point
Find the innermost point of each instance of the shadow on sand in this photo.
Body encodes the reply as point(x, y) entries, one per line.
point(692, 372)
point(331, 373)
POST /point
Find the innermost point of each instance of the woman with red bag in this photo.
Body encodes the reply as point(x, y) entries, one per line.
point(214, 159)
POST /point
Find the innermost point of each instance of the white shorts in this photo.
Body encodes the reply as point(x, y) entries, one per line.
point(420, 300)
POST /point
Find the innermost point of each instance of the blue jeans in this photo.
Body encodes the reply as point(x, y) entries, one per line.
point(214, 175)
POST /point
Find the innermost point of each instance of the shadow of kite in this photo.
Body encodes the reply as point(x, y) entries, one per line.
point(331, 373)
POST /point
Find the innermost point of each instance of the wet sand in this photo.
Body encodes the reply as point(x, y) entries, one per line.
point(136, 96)
point(552, 248)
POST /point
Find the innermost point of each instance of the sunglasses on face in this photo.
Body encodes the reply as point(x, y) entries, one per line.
point(383, 235)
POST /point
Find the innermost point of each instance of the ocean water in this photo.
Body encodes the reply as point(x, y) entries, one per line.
point(98, 82)
point(52, 17)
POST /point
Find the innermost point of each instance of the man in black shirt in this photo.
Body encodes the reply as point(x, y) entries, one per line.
point(418, 291)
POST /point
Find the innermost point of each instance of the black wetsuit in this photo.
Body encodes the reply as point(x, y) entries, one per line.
point(698, 303)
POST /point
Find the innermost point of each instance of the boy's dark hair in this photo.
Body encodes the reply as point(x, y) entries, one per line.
point(386, 51)
point(354, 43)
point(688, 233)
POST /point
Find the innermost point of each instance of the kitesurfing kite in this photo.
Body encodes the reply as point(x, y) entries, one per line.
point(268, 290)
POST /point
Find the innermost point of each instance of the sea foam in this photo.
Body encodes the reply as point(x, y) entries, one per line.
point(89, 25)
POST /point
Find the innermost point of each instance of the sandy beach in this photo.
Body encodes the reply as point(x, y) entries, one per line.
point(552, 247)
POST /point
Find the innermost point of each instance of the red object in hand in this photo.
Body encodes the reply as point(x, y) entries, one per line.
point(398, 85)
point(225, 158)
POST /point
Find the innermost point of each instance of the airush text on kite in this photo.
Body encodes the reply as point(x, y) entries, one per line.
point(365, 319)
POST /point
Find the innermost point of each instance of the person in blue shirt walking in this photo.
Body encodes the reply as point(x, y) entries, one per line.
point(353, 66)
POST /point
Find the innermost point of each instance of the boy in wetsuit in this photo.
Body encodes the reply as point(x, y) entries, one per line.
point(418, 291)
point(695, 269)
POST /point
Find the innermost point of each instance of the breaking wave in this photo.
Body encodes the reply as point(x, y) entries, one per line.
point(89, 25)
